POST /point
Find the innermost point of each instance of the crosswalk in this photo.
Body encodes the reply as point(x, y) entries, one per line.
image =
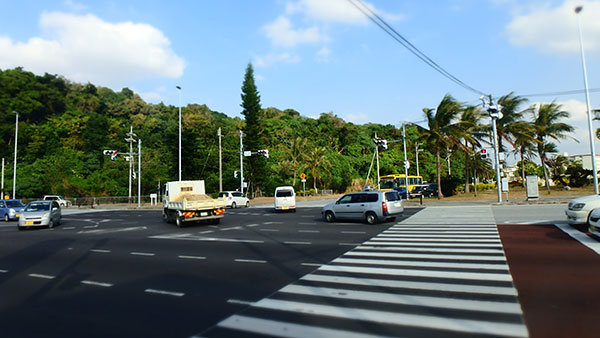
point(440, 273)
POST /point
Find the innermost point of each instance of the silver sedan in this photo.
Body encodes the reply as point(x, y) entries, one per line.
point(40, 214)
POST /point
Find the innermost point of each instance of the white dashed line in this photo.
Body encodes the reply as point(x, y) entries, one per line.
point(272, 222)
point(206, 232)
point(353, 232)
point(237, 301)
point(192, 257)
point(142, 253)
point(3, 271)
point(90, 226)
point(351, 244)
point(100, 250)
point(89, 282)
point(37, 275)
point(310, 231)
point(252, 225)
point(250, 261)
point(298, 243)
point(163, 292)
point(232, 228)
point(272, 230)
point(311, 264)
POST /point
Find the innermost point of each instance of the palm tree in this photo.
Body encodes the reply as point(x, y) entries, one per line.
point(316, 160)
point(442, 131)
point(525, 144)
point(547, 125)
point(508, 125)
point(472, 133)
point(295, 154)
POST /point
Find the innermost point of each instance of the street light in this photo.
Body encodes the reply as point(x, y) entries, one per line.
point(417, 150)
point(578, 9)
point(179, 89)
point(15, 160)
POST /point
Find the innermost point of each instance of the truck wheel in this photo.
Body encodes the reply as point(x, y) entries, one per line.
point(179, 221)
point(371, 218)
point(165, 217)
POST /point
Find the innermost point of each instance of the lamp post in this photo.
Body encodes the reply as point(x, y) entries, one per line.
point(15, 160)
point(179, 89)
point(578, 9)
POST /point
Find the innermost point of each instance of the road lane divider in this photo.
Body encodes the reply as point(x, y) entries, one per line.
point(240, 260)
point(164, 292)
point(89, 282)
point(240, 302)
point(3, 271)
point(191, 257)
point(297, 243)
point(142, 253)
point(100, 250)
point(310, 231)
point(37, 275)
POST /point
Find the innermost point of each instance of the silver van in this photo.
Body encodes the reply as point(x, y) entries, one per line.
point(371, 206)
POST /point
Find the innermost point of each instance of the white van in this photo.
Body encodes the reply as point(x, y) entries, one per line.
point(285, 198)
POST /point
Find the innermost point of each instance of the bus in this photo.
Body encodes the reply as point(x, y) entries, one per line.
point(397, 182)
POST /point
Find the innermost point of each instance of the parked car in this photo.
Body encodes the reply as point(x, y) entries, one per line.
point(61, 200)
point(11, 209)
point(40, 214)
point(418, 190)
point(285, 198)
point(579, 209)
point(370, 206)
point(235, 199)
point(594, 222)
point(431, 189)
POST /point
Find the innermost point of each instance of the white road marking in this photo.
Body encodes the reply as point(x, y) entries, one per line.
point(436, 239)
point(90, 226)
point(438, 235)
point(163, 292)
point(580, 237)
point(272, 230)
point(68, 228)
point(241, 302)
point(505, 277)
point(250, 261)
point(426, 256)
point(496, 250)
point(206, 232)
point(89, 282)
point(311, 223)
point(493, 244)
point(354, 232)
point(208, 239)
point(269, 327)
point(3, 271)
point(106, 231)
point(422, 264)
point(349, 244)
point(414, 285)
point(297, 243)
point(37, 275)
point(142, 253)
point(100, 250)
point(232, 228)
point(192, 257)
point(310, 231)
point(431, 322)
point(252, 225)
point(428, 301)
point(272, 223)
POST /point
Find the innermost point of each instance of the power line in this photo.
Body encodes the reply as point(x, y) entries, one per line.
point(369, 13)
point(566, 92)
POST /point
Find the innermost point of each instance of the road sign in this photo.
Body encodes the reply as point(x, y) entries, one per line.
point(302, 176)
point(303, 180)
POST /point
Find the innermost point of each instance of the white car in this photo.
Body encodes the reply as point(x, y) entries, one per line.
point(235, 199)
point(579, 209)
point(595, 222)
point(285, 199)
point(64, 203)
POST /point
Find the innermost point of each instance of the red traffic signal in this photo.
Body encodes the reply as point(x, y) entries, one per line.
point(483, 154)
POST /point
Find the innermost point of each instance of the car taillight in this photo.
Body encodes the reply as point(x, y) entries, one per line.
point(384, 206)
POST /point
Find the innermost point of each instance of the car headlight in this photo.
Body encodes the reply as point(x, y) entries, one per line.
point(11, 211)
point(46, 215)
point(578, 206)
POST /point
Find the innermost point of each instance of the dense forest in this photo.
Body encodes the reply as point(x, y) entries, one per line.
point(64, 127)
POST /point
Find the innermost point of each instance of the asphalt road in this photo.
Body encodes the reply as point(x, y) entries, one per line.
point(128, 274)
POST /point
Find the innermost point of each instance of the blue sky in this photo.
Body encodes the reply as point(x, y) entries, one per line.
point(313, 56)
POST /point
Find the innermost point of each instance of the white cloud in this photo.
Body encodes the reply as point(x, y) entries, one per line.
point(273, 58)
point(360, 118)
point(554, 29)
point(323, 54)
point(281, 33)
point(85, 48)
point(336, 11)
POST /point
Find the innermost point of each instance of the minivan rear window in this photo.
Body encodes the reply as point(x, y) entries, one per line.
point(284, 193)
point(392, 196)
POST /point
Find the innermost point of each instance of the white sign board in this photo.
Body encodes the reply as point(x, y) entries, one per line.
point(247, 153)
point(504, 184)
point(532, 186)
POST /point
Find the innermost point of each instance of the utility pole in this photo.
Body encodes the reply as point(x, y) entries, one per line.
point(220, 161)
point(417, 155)
point(139, 173)
point(241, 163)
point(406, 164)
point(15, 161)
point(131, 140)
point(495, 113)
point(2, 197)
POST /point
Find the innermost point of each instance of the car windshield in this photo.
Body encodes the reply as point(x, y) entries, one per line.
point(14, 204)
point(37, 207)
point(284, 193)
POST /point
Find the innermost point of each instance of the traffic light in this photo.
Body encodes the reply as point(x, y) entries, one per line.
point(483, 154)
point(113, 155)
point(381, 143)
point(264, 152)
